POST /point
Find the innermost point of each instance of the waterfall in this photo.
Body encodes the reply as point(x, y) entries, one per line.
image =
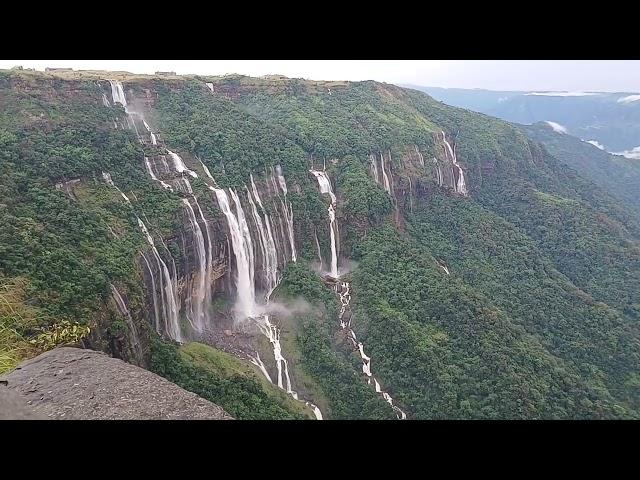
point(124, 311)
point(438, 172)
point(117, 93)
point(385, 178)
point(374, 168)
point(169, 291)
point(208, 173)
point(257, 362)
point(105, 101)
point(153, 137)
point(343, 289)
point(315, 235)
point(270, 247)
point(460, 186)
point(246, 306)
point(419, 156)
point(197, 306)
point(325, 187)
point(334, 253)
point(153, 175)
point(168, 285)
point(209, 260)
point(109, 181)
point(267, 245)
point(272, 332)
point(179, 165)
point(168, 282)
point(154, 293)
point(288, 212)
point(243, 252)
point(209, 86)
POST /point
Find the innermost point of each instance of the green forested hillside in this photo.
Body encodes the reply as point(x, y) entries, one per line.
point(617, 175)
point(519, 300)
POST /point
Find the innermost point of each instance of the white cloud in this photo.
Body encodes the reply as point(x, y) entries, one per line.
point(629, 99)
point(596, 143)
point(562, 94)
point(557, 127)
point(634, 153)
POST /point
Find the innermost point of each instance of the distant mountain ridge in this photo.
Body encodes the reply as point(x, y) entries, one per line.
point(610, 119)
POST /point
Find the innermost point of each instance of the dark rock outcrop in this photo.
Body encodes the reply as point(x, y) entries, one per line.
point(72, 383)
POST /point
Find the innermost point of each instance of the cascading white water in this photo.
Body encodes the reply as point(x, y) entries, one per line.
point(374, 168)
point(325, 187)
point(343, 289)
point(272, 332)
point(419, 156)
point(267, 245)
point(246, 306)
point(241, 240)
point(315, 236)
point(124, 311)
point(388, 187)
point(334, 253)
point(270, 247)
point(105, 101)
point(209, 260)
point(154, 141)
point(117, 93)
point(210, 86)
point(460, 186)
point(109, 181)
point(168, 290)
point(154, 293)
point(243, 252)
point(196, 301)
point(169, 297)
point(179, 165)
point(258, 363)
point(438, 172)
point(208, 173)
point(288, 212)
point(154, 177)
point(385, 177)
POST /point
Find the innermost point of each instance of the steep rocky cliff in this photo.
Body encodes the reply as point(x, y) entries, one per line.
point(76, 384)
point(368, 251)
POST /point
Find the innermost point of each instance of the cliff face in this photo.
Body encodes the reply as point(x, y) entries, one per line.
point(75, 384)
point(176, 207)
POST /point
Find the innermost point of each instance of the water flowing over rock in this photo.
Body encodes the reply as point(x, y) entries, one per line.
point(243, 251)
point(124, 311)
point(325, 187)
point(198, 307)
point(168, 289)
point(258, 250)
point(343, 289)
point(288, 212)
point(459, 184)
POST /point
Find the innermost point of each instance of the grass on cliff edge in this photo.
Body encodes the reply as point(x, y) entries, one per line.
point(225, 365)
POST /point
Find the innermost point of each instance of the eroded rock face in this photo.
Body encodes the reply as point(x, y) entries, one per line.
point(14, 406)
point(72, 383)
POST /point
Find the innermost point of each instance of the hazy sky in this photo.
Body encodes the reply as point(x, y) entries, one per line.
point(572, 75)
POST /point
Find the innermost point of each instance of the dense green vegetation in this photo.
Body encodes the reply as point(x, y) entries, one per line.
point(617, 175)
point(538, 318)
point(447, 351)
point(325, 354)
point(241, 395)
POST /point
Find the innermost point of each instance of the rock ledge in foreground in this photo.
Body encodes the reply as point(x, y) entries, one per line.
point(72, 383)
